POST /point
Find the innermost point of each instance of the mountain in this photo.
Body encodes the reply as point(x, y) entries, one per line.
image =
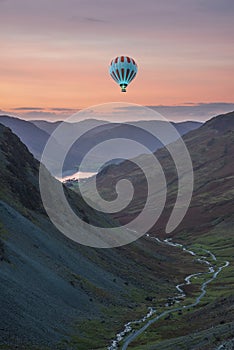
point(221, 123)
point(55, 293)
point(84, 125)
point(49, 127)
point(207, 224)
point(32, 136)
point(35, 134)
point(94, 133)
point(211, 151)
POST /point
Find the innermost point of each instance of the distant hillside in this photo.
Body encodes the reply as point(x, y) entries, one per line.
point(49, 127)
point(84, 125)
point(56, 294)
point(100, 133)
point(35, 134)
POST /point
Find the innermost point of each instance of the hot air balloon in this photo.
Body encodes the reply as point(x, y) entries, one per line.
point(123, 70)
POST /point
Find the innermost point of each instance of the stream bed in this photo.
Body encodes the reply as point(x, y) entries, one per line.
point(128, 334)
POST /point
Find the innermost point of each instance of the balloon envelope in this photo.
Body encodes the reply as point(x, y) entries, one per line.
point(123, 70)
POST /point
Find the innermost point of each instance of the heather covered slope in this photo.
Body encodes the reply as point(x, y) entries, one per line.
point(55, 293)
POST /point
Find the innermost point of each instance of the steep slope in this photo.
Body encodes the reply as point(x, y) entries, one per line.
point(56, 294)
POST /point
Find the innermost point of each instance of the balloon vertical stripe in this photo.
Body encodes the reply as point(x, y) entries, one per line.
point(127, 74)
point(131, 75)
point(123, 73)
point(117, 72)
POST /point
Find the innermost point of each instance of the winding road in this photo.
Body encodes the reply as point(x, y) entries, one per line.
point(134, 334)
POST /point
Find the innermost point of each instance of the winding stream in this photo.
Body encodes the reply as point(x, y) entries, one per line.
point(129, 335)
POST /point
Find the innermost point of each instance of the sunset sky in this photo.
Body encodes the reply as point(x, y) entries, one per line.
point(55, 55)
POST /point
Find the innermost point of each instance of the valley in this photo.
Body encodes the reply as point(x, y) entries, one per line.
point(126, 340)
point(57, 294)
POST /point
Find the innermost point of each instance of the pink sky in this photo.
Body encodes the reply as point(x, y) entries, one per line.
point(55, 54)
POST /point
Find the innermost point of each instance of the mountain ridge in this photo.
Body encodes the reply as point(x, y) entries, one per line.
point(35, 135)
